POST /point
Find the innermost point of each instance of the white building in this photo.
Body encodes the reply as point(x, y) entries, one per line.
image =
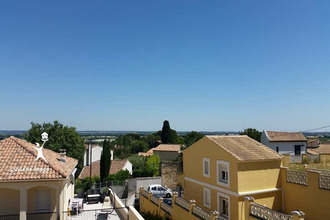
point(93, 151)
point(292, 143)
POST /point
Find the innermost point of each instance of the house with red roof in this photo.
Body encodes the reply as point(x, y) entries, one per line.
point(34, 180)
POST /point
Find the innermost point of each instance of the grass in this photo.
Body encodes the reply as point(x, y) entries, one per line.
point(318, 166)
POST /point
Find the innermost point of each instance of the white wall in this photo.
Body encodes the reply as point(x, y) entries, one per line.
point(136, 183)
point(128, 166)
point(283, 147)
point(96, 155)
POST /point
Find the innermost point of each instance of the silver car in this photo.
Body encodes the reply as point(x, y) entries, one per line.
point(157, 189)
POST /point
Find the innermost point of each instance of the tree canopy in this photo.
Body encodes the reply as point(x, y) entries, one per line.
point(252, 133)
point(60, 137)
point(168, 135)
point(192, 137)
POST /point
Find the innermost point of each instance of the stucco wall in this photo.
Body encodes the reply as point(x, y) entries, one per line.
point(128, 166)
point(311, 199)
point(9, 201)
point(258, 175)
point(166, 155)
point(205, 148)
point(136, 183)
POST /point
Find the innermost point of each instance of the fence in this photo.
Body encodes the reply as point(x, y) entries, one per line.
point(180, 209)
point(298, 177)
point(97, 214)
point(9, 217)
point(257, 211)
point(295, 158)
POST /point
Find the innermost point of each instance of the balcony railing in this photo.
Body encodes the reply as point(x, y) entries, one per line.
point(183, 203)
point(9, 217)
point(166, 208)
point(265, 213)
point(201, 213)
point(324, 181)
point(145, 193)
point(154, 200)
point(42, 216)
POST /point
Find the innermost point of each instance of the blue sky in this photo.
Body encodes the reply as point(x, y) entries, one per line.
point(129, 65)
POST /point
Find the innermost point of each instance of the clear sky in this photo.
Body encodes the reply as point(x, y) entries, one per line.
point(129, 65)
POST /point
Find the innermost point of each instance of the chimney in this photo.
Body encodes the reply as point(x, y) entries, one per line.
point(62, 155)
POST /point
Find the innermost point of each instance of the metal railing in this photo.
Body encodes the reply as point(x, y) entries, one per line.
point(166, 208)
point(298, 177)
point(9, 217)
point(97, 214)
point(201, 213)
point(41, 216)
point(265, 213)
point(183, 203)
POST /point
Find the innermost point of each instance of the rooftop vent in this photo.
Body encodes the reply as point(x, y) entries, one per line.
point(62, 155)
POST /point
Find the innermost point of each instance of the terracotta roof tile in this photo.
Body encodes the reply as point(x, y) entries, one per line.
point(116, 166)
point(245, 148)
point(18, 162)
point(322, 149)
point(285, 136)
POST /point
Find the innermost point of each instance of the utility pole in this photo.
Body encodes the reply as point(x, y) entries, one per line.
point(90, 150)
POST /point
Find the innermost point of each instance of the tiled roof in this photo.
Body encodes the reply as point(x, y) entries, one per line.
point(168, 147)
point(245, 148)
point(17, 162)
point(116, 166)
point(148, 153)
point(313, 143)
point(322, 149)
point(285, 136)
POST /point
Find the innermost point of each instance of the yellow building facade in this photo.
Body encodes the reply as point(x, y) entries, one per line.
point(219, 171)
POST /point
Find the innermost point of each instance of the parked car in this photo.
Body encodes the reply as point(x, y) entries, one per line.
point(157, 189)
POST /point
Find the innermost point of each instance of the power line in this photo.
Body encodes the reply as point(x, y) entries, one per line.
point(313, 129)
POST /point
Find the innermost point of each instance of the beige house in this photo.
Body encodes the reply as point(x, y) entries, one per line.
point(30, 186)
point(164, 151)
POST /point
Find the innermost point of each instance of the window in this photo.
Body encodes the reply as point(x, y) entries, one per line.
point(206, 167)
point(277, 149)
point(207, 197)
point(223, 173)
point(224, 205)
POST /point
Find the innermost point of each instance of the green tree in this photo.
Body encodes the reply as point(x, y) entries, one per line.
point(105, 162)
point(139, 146)
point(153, 163)
point(192, 137)
point(252, 133)
point(137, 161)
point(168, 136)
point(60, 137)
point(152, 139)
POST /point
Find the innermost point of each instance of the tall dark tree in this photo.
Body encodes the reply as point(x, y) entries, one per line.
point(60, 137)
point(168, 135)
point(105, 162)
point(252, 133)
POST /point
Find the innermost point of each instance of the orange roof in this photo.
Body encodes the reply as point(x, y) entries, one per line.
point(18, 162)
point(244, 148)
point(148, 153)
point(116, 166)
point(278, 136)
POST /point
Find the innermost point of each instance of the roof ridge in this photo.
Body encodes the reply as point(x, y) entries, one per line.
point(284, 131)
point(48, 164)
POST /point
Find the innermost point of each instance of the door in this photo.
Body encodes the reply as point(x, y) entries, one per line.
point(297, 150)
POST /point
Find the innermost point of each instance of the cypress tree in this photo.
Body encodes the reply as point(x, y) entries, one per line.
point(105, 160)
point(168, 135)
